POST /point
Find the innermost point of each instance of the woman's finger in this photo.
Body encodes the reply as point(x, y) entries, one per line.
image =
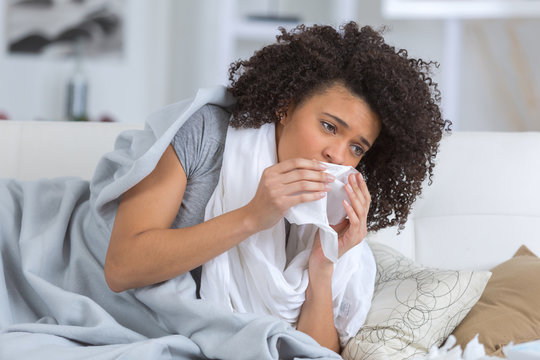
point(349, 239)
point(306, 174)
point(300, 187)
point(298, 163)
point(352, 213)
point(299, 198)
point(353, 182)
point(355, 202)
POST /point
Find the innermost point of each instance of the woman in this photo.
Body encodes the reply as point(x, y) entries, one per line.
point(217, 181)
point(342, 98)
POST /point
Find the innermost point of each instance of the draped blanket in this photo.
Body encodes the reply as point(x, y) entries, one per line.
point(54, 302)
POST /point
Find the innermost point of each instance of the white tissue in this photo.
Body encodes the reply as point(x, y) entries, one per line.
point(326, 211)
point(445, 352)
point(334, 204)
point(524, 351)
point(473, 351)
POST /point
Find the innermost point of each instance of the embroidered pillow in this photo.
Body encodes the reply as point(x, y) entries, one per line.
point(413, 307)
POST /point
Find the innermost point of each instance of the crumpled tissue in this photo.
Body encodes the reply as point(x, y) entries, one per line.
point(473, 351)
point(525, 351)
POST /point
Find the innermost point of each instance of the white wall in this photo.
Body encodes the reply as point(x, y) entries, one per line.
point(173, 48)
point(501, 76)
point(195, 29)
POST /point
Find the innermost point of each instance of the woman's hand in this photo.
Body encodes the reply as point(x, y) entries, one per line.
point(284, 185)
point(353, 230)
point(350, 231)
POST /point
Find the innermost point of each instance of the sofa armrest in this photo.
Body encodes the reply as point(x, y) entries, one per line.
point(37, 149)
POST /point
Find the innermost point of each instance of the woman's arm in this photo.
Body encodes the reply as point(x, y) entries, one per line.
point(317, 314)
point(317, 317)
point(143, 250)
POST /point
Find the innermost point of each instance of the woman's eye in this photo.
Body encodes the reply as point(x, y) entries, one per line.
point(328, 127)
point(357, 150)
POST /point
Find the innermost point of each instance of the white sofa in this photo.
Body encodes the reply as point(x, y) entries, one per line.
point(483, 204)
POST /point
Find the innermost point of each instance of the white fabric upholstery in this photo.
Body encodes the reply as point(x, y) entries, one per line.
point(483, 204)
point(34, 149)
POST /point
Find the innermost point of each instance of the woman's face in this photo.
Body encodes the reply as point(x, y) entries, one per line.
point(333, 126)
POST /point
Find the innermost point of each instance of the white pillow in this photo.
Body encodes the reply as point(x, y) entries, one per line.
point(413, 307)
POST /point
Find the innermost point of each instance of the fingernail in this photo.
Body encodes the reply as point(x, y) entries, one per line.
point(321, 165)
point(348, 186)
point(330, 177)
point(327, 188)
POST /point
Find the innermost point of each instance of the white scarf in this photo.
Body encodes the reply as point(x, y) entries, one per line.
point(266, 274)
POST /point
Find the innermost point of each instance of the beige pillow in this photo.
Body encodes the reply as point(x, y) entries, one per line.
point(413, 308)
point(509, 308)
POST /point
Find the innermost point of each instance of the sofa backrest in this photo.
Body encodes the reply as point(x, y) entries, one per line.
point(34, 149)
point(483, 204)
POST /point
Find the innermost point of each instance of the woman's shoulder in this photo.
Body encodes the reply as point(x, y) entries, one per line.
point(211, 114)
point(205, 130)
point(215, 112)
point(209, 121)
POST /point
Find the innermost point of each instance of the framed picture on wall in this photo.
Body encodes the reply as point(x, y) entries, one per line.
point(56, 28)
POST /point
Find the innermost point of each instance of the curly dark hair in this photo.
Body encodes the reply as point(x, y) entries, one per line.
point(399, 89)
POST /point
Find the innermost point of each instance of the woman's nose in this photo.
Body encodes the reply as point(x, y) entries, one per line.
point(335, 154)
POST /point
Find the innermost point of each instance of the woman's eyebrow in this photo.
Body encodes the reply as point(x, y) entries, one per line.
point(346, 126)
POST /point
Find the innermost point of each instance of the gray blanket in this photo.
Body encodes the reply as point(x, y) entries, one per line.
point(54, 301)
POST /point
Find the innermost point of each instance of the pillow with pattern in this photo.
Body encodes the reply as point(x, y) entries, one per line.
point(413, 307)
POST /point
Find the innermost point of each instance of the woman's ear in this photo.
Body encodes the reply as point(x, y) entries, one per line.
point(282, 119)
point(284, 116)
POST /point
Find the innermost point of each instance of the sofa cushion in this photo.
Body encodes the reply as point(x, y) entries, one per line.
point(413, 307)
point(508, 309)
